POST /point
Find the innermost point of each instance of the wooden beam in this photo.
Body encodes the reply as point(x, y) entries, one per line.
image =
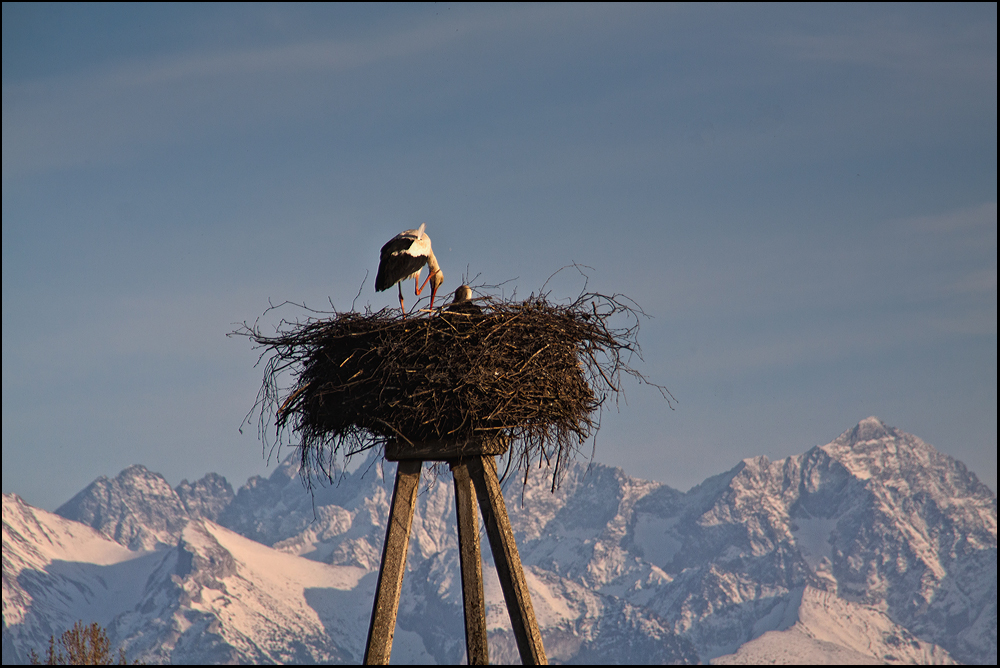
point(397, 451)
point(508, 562)
point(473, 601)
point(390, 575)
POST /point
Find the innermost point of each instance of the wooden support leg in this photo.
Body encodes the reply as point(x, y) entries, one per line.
point(390, 575)
point(472, 568)
point(508, 562)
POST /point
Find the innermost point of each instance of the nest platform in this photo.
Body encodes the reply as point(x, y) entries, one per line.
point(528, 374)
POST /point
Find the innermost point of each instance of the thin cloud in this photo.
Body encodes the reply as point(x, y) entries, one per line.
point(958, 49)
point(106, 115)
point(982, 217)
point(809, 346)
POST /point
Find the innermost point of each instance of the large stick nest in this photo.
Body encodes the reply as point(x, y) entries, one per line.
point(531, 372)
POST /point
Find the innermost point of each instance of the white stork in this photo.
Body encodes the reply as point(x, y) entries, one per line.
point(403, 257)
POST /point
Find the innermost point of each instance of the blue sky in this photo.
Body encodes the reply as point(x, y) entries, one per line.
point(803, 199)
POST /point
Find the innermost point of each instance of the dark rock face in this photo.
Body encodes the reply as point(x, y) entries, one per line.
point(206, 498)
point(137, 509)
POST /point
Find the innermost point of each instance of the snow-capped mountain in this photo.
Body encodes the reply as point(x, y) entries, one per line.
point(57, 571)
point(872, 548)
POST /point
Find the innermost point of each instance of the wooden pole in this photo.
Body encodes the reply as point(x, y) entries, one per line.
point(508, 562)
point(475, 475)
point(473, 600)
point(390, 575)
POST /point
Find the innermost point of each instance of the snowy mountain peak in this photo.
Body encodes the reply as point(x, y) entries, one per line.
point(869, 429)
point(137, 508)
point(907, 465)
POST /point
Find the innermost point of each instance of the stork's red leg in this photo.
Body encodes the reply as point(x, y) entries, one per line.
point(401, 307)
point(417, 291)
point(434, 291)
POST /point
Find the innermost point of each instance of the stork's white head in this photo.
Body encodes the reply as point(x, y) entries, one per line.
point(437, 278)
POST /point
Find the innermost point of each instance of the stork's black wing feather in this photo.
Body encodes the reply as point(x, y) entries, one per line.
point(394, 267)
point(398, 244)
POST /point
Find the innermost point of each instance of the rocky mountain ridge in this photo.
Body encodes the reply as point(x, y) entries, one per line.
point(876, 534)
